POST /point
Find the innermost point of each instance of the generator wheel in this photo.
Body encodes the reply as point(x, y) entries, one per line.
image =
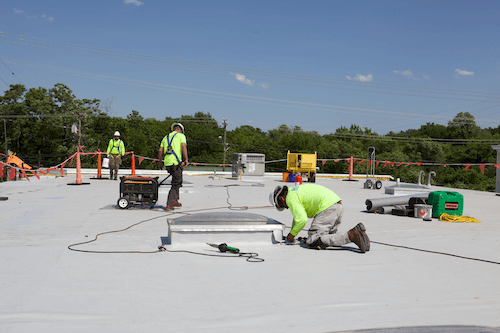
point(378, 184)
point(123, 203)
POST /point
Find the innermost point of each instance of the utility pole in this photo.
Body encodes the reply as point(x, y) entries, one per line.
point(5, 132)
point(224, 146)
point(79, 130)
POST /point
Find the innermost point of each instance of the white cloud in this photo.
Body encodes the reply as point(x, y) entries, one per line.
point(462, 72)
point(406, 73)
point(426, 77)
point(134, 2)
point(48, 18)
point(242, 78)
point(264, 85)
point(361, 78)
point(19, 11)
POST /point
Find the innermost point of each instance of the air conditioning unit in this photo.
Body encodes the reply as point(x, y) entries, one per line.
point(248, 164)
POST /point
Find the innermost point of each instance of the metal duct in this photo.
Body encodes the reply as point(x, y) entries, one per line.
point(373, 204)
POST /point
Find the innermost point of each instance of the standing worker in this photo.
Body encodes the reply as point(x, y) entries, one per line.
point(116, 149)
point(174, 146)
point(325, 206)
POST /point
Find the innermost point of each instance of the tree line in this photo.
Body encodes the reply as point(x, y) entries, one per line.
point(39, 126)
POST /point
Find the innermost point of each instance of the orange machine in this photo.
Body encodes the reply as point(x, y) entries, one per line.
point(17, 161)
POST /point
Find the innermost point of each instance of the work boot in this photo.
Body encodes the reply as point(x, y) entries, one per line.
point(358, 236)
point(177, 204)
point(317, 244)
point(169, 208)
point(111, 175)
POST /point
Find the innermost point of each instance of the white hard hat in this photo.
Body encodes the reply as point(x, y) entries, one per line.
point(273, 197)
point(116, 133)
point(177, 124)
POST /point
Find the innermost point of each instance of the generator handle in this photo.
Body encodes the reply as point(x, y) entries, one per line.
point(160, 183)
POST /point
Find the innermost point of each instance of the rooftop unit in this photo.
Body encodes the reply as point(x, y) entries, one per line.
point(248, 164)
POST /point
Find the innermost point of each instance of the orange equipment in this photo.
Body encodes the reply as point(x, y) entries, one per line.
point(17, 161)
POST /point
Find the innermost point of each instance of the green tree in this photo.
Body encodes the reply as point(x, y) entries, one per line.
point(463, 126)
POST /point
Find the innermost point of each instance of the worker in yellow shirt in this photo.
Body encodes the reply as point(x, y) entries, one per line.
point(174, 147)
point(325, 207)
point(116, 149)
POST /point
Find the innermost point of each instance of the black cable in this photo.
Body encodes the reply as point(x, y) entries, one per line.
point(114, 231)
point(428, 251)
point(436, 252)
point(251, 256)
point(129, 227)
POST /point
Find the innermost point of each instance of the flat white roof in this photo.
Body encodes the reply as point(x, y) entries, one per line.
point(45, 287)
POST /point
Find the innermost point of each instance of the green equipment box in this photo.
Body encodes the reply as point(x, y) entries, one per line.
point(446, 202)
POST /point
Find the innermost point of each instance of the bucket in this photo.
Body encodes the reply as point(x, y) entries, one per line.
point(105, 162)
point(291, 178)
point(298, 180)
point(285, 177)
point(423, 211)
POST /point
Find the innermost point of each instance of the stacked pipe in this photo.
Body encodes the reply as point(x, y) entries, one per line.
point(385, 205)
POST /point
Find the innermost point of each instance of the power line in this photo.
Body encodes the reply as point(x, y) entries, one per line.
point(4, 81)
point(415, 139)
point(223, 95)
point(10, 71)
point(223, 67)
point(492, 96)
point(493, 99)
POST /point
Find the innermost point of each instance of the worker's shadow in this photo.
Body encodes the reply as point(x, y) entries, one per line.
point(331, 248)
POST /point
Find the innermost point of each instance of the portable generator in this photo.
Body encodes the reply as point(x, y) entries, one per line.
point(138, 190)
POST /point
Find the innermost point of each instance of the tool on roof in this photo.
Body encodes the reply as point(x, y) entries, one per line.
point(224, 248)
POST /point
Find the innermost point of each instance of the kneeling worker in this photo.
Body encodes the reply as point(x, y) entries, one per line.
point(325, 206)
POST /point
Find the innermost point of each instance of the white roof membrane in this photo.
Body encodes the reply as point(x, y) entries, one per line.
point(46, 287)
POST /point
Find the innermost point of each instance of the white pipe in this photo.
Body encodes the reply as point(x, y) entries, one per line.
point(422, 172)
point(429, 180)
point(373, 204)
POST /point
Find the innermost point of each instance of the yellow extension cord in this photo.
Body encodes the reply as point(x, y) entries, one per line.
point(454, 218)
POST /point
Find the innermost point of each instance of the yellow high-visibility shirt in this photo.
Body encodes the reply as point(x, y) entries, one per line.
point(306, 201)
point(116, 147)
point(176, 145)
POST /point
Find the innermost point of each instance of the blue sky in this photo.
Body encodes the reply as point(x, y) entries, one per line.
point(385, 65)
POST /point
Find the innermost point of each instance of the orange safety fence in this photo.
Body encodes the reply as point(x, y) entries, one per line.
point(23, 168)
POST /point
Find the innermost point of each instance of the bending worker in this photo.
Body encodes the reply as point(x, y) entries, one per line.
point(174, 146)
point(325, 206)
point(116, 149)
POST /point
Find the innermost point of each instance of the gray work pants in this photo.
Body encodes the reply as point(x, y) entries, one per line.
point(325, 225)
point(173, 194)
